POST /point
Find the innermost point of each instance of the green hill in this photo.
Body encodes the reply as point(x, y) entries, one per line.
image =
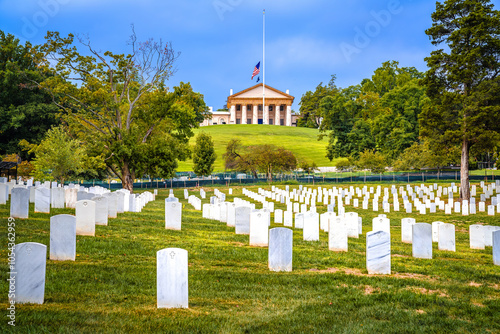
point(303, 142)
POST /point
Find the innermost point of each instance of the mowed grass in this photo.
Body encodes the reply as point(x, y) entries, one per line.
point(303, 142)
point(111, 287)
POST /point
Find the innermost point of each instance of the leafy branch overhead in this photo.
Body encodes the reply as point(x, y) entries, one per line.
point(118, 105)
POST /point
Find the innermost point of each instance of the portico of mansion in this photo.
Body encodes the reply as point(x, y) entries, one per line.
point(245, 107)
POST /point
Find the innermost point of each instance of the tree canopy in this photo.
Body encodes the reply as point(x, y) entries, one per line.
point(117, 105)
point(310, 115)
point(462, 81)
point(380, 114)
point(26, 111)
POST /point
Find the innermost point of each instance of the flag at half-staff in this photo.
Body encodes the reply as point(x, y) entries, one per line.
point(256, 70)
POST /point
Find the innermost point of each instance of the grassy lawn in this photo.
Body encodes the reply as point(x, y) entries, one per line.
point(111, 287)
point(303, 142)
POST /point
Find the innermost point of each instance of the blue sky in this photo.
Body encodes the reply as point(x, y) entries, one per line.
point(221, 40)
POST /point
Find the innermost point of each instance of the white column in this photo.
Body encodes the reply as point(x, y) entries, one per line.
point(288, 116)
point(265, 115)
point(232, 117)
point(277, 114)
point(244, 114)
point(255, 114)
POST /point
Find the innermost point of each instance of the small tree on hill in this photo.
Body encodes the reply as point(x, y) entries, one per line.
point(204, 155)
point(266, 159)
point(372, 160)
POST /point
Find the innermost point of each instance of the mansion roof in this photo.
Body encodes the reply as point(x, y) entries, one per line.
point(253, 95)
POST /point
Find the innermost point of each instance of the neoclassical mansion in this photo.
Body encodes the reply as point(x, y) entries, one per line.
point(245, 107)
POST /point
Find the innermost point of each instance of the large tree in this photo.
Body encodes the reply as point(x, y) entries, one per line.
point(26, 112)
point(118, 105)
point(462, 79)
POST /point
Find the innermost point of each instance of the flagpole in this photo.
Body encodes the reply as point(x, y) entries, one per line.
point(264, 67)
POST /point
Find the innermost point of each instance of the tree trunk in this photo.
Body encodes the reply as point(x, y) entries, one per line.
point(127, 178)
point(464, 171)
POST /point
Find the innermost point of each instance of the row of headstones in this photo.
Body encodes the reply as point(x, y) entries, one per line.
point(284, 195)
point(379, 223)
point(256, 222)
point(421, 235)
point(28, 260)
point(28, 270)
point(118, 202)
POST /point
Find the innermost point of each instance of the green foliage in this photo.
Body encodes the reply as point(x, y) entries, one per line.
point(59, 157)
point(374, 161)
point(379, 114)
point(26, 111)
point(426, 155)
point(463, 83)
point(121, 109)
point(268, 159)
point(344, 164)
point(204, 155)
point(310, 104)
point(307, 166)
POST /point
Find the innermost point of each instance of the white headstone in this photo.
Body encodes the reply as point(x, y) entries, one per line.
point(19, 203)
point(299, 220)
point(381, 224)
point(42, 200)
point(231, 214)
point(172, 278)
point(70, 197)
point(352, 223)
point(378, 252)
point(101, 210)
point(28, 273)
point(446, 237)
point(4, 193)
point(311, 226)
point(85, 217)
point(112, 204)
point(63, 237)
point(407, 229)
point(278, 216)
point(242, 219)
point(496, 248)
point(422, 240)
point(476, 235)
point(120, 202)
point(280, 252)
point(207, 211)
point(337, 235)
point(173, 215)
point(488, 234)
point(57, 198)
point(288, 218)
point(435, 231)
point(259, 229)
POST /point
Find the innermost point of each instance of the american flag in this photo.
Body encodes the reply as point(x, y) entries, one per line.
point(256, 70)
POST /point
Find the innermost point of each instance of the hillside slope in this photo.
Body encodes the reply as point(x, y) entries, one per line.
point(303, 142)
